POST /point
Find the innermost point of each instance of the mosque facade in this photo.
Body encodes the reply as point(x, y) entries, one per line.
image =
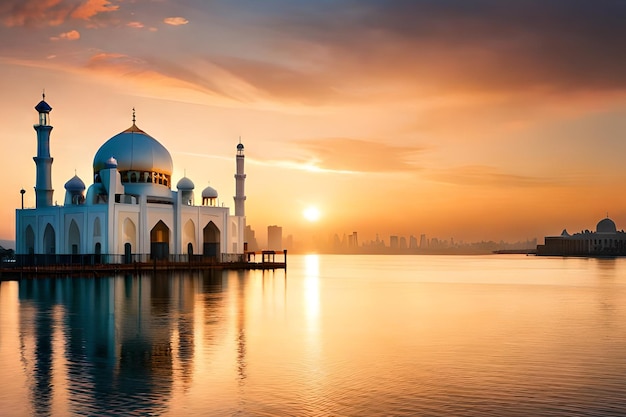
point(605, 241)
point(130, 213)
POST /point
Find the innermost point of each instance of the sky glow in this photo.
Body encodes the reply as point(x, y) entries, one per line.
point(478, 120)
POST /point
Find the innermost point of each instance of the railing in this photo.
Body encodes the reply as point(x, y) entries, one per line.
point(100, 259)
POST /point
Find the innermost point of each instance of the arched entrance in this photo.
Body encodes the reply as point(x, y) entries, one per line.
point(211, 236)
point(73, 239)
point(29, 240)
point(128, 253)
point(98, 253)
point(49, 240)
point(160, 241)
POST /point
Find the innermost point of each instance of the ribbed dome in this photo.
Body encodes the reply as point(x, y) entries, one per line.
point(185, 184)
point(209, 192)
point(134, 150)
point(606, 226)
point(75, 184)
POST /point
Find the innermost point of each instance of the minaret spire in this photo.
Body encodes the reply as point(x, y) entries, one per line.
point(43, 160)
point(240, 180)
point(133, 115)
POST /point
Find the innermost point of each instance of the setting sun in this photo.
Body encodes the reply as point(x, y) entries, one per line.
point(312, 214)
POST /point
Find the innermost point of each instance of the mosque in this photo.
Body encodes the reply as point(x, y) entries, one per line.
point(130, 212)
point(605, 241)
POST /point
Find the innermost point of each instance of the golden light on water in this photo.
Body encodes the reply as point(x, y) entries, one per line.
point(311, 286)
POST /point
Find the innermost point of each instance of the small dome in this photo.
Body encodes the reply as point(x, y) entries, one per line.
point(110, 163)
point(564, 233)
point(209, 192)
point(240, 147)
point(75, 184)
point(43, 107)
point(606, 226)
point(185, 184)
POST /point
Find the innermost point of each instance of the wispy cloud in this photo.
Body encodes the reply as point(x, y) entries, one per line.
point(310, 166)
point(175, 21)
point(135, 24)
point(482, 175)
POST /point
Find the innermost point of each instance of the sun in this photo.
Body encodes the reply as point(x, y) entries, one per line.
point(311, 213)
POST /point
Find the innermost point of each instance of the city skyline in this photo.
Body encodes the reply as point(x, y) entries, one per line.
point(273, 238)
point(470, 120)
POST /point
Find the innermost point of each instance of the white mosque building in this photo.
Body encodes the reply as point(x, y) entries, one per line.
point(605, 241)
point(130, 212)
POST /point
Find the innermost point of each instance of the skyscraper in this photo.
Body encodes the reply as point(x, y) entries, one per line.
point(274, 237)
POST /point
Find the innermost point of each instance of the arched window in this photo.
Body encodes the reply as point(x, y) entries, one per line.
point(97, 232)
point(129, 232)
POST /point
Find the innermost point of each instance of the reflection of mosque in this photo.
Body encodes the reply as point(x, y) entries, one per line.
point(129, 212)
point(605, 241)
point(123, 341)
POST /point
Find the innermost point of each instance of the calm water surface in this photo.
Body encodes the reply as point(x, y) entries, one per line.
point(335, 335)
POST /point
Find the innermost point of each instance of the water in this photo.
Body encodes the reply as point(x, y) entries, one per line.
point(336, 335)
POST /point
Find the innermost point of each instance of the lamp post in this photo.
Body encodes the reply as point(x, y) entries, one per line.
point(22, 191)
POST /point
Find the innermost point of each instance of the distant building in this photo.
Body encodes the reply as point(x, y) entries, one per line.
point(393, 242)
point(274, 238)
point(605, 241)
point(249, 236)
point(423, 242)
point(288, 242)
point(412, 242)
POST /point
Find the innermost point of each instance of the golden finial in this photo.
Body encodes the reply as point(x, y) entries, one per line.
point(133, 115)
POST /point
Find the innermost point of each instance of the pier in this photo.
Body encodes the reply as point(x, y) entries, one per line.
point(68, 265)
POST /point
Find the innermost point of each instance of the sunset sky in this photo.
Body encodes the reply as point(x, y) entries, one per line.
point(477, 120)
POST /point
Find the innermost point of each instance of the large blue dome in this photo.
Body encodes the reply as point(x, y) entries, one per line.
point(134, 150)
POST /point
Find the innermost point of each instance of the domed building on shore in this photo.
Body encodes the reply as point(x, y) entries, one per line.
point(605, 241)
point(130, 212)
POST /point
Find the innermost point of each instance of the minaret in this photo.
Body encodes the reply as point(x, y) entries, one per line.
point(240, 180)
point(43, 161)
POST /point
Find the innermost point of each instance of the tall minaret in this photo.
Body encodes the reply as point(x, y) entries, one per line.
point(43, 161)
point(240, 177)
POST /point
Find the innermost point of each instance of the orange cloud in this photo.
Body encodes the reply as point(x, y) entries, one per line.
point(33, 13)
point(356, 155)
point(93, 7)
point(135, 24)
point(72, 35)
point(175, 21)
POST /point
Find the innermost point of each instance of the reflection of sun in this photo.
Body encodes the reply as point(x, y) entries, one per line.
point(312, 214)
